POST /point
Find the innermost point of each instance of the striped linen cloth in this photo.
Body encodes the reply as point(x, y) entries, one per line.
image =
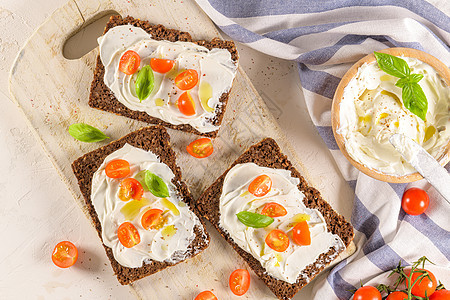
point(325, 38)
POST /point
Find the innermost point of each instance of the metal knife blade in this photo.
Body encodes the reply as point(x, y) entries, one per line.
point(423, 162)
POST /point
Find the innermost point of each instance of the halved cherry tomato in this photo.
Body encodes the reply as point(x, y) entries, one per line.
point(415, 201)
point(397, 296)
point(117, 168)
point(206, 295)
point(274, 210)
point(277, 240)
point(65, 254)
point(260, 186)
point(130, 188)
point(187, 79)
point(301, 234)
point(423, 285)
point(200, 148)
point(161, 65)
point(441, 295)
point(239, 282)
point(367, 293)
point(129, 62)
point(151, 218)
point(128, 235)
point(186, 104)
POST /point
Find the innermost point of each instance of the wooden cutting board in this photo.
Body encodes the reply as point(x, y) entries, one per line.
point(53, 92)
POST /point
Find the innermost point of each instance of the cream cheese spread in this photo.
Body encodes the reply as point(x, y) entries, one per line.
point(169, 243)
point(371, 110)
point(215, 68)
point(287, 265)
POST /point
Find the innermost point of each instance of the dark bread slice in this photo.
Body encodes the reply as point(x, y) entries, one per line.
point(268, 154)
point(156, 139)
point(101, 97)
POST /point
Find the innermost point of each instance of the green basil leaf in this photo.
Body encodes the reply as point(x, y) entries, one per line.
point(255, 220)
point(392, 65)
point(86, 133)
point(414, 99)
point(156, 185)
point(412, 78)
point(145, 82)
point(141, 178)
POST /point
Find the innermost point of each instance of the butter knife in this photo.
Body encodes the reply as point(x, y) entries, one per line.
point(423, 162)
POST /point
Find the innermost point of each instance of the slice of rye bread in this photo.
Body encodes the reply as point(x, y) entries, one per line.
point(101, 97)
point(268, 154)
point(156, 140)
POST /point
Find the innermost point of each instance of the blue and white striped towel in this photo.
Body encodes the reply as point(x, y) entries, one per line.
point(326, 38)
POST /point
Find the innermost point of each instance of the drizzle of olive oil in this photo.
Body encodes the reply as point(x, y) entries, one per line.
point(366, 119)
point(159, 102)
point(132, 208)
point(205, 93)
point(299, 218)
point(245, 194)
point(382, 116)
point(166, 203)
point(429, 133)
point(366, 95)
point(279, 259)
point(385, 77)
point(168, 231)
point(397, 99)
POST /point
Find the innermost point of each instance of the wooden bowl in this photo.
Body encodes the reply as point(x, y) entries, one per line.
point(440, 68)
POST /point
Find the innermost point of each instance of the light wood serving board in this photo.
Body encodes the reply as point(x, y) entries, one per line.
point(53, 93)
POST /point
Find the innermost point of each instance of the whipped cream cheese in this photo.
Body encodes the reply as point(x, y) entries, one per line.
point(372, 109)
point(166, 244)
point(287, 265)
point(215, 68)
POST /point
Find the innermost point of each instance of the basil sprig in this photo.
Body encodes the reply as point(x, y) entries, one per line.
point(254, 220)
point(86, 133)
point(156, 185)
point(145, 83)
point(413, 96)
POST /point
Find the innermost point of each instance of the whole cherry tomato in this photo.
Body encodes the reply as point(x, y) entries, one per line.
point(440, 295)
point(239, 282)
point(426, 285)
point(367, 293)
point(415, 201)
point(65, 254)
point(397, 296)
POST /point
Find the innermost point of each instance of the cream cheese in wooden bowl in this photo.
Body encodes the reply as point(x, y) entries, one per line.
point(370, 105)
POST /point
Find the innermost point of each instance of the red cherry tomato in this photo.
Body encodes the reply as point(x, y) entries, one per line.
point(424, 285)
point(441, 295)
point(130, 188)
point(277, 240)
point(200, 148)
point(239, 282)
point(301, 234)
point(260, 186)
point(367, 293)
point(128, 235)
point(186, 80)
point(186, 104)
point(273, 210)
point(397, 296)
point(415, 201)
point(161, 65)
point(151, 218)
point(65, 254)
point(117, 168)
point(129, 62)
point(206, 295)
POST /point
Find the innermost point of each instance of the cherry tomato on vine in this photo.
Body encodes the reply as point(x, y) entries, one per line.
point(200, 148)
point(186, 104)
point(128, 235)
point(129, 62)
point(65, 254)
point(301, 234)
point(277, 240)
point(260, 186)
point(424, 285)
point(206, 295)
point(151, 218)
point(130, 188)
point(117, 168)
point(274, 210)
point(440, 295)
point(161, 65)
point(187, 79)
point(367, 293)
point(415, 201)
point(397, 296)
point(239, 282)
